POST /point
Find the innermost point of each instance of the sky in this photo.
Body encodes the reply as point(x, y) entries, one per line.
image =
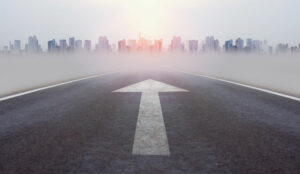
point(272, 20)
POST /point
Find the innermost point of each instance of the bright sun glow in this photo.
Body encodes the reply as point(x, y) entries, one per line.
point(153, 18)
point(146, 16)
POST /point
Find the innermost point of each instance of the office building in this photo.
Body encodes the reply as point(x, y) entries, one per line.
point(211, 44)
point(78, 45)
point(103, 44)
point(256, 46)
point(63, 45)
point(52, 46)
point(87, 45)
point(17, 46)
point(132, 45)
point(33, 45)
point(229, 45)
point(239, 43)
point(122, 45)
point(282, 48)
point(176, 44)
point(157, 47)
point(72, 42)
point(193, 45)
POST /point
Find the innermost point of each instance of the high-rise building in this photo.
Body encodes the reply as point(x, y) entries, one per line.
point(294, 49)
point(122, 45)
point(87, 45)
point(270, 50)
point(17, 45)
point(52, 45)
point(72, 43)
point(144, 44)
point(282, 48)
point(103, 44)
point(176, 44)
point(256, 46)
point(63, 45)
point(78, 45)
point(229, 45)
point(33, 45)
point(11, 46)
point(132, 45)
point(211, 44)
point(193, 45)
point(239, 43)
point(249, 45)
point(158, 45)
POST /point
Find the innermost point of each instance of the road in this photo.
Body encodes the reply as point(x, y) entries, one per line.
point(85, 127)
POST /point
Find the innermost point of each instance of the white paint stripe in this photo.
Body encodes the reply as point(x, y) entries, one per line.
point(150, 135)
point(247, 86)
point(51, 86)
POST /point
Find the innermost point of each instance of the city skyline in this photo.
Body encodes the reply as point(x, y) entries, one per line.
point(177, 44)
point(155, 19)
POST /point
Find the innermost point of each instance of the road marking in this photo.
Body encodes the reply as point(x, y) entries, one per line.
point(51, 86)
point(150, 135)
point(243, 85)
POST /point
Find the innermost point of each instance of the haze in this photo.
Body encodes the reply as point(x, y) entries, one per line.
point(274, 20)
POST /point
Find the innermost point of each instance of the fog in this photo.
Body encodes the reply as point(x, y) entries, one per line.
point(275, 72)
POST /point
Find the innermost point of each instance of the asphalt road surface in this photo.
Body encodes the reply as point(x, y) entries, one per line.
point(84, 127)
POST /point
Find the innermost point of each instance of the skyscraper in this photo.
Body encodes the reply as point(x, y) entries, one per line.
point(33, 45)
point(11, 46)
point(211, 44)
point(282, 48)
point(87, 45)
point(63, 45)
point(229, 45)
point(52, 46)
point(176, 44)
point(122, 45)
point(249, 46)
point(193, 45)
point(256, 46)
point(239, 43)
point(103, 44)
point(158, 45)
point(72, 43)
point(249, 43)
point(132, 44)
point(144, 44)
point(17, 45)
point(78, 45)
point(294, 49)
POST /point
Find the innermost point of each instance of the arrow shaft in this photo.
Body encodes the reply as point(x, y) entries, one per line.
point(150, 136)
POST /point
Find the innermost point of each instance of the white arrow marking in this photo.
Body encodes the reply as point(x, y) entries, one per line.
point(150, 135)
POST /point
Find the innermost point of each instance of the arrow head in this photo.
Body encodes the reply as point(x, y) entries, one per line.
point(150, 86)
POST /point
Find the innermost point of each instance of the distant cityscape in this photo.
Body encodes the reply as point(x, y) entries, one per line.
point(210, 44)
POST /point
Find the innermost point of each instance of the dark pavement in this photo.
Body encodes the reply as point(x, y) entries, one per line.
point(85, 128)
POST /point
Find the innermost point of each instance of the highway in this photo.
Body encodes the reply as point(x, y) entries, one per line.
point(149, 122)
